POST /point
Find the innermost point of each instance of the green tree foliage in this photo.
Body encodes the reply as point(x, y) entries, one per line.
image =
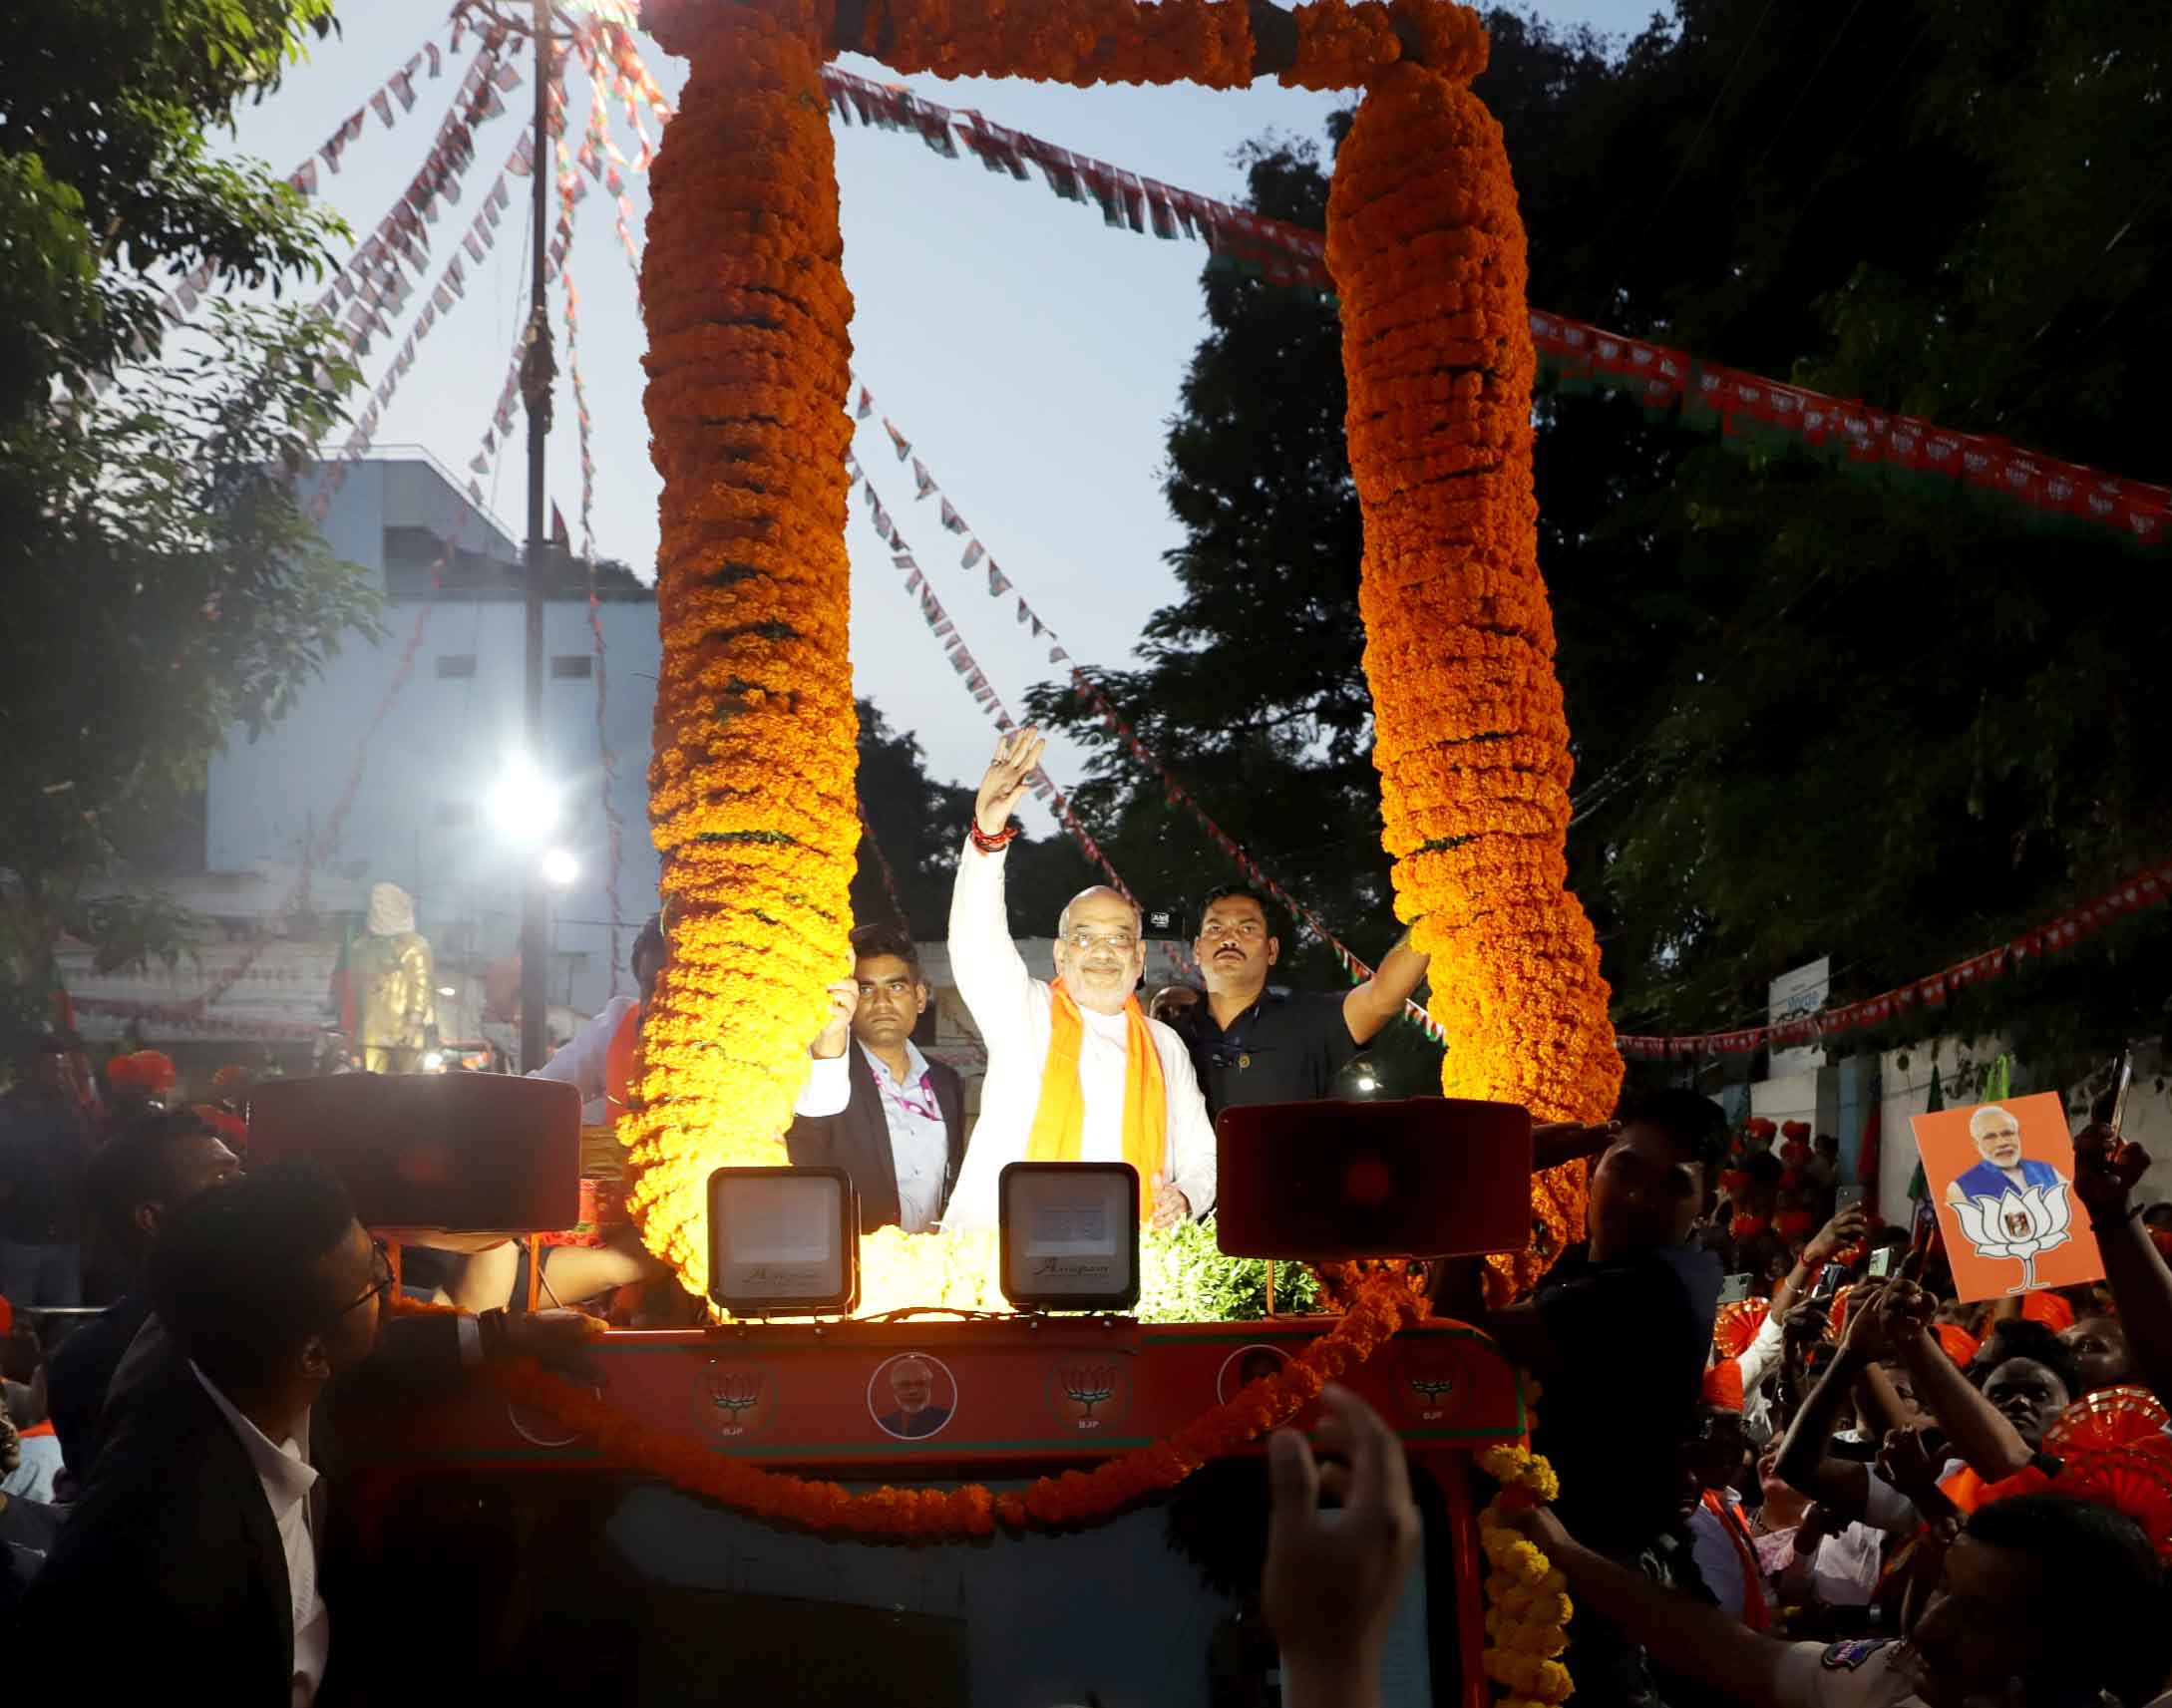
point(1816, 711)
point(163, 585)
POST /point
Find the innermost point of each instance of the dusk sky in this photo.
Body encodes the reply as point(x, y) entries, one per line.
point(1032, 354)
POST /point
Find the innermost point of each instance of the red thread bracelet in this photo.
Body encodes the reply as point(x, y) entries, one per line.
point(997, 842)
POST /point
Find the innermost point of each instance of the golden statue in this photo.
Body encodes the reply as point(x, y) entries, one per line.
point(395, 987)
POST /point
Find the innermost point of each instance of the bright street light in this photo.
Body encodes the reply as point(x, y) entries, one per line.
point(523, 801)
point(560, 868)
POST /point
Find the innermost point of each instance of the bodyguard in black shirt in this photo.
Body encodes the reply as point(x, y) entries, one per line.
point(1253, 1045)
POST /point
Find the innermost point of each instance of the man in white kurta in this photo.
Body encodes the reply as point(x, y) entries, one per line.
point(1100, 958)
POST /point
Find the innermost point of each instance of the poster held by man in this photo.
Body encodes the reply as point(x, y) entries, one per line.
point(2000, 1177)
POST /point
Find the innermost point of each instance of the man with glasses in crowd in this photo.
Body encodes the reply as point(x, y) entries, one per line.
point(201, 1531)
point(1251, 1044)
point(1076, 1072)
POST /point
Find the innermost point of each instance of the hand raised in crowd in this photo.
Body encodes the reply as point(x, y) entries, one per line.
point(1865, 1333)
point(1904, 1460)
point(1843, 1231)
point(1904, 1311)
point(830, 1042)
point(1332, 1578)
point(1009, 776)
point(2106, 1168)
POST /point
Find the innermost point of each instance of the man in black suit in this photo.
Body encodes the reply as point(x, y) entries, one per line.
point(201, 1529)
point(137, 1178)
point(874, 1104)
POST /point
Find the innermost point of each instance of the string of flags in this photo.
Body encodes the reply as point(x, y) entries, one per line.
point(402, 233)
point(397, 90)
point(999, 586)
point(376, 317)
point(968, 671)
point(616, 68)
point(1706, 394)
point(2135, 893)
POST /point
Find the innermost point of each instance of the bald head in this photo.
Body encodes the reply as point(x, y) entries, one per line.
point(1100, 949)
point(1099, 892)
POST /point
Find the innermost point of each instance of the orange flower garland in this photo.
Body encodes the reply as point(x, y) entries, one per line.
point(1206, 42)
point(747, 310)
point(751, 792)
point(1380, 1309)
point(1427, 252)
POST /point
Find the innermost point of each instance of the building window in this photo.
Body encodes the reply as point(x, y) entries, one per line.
point(454, 666)
point(572, 667)
point(456, 815)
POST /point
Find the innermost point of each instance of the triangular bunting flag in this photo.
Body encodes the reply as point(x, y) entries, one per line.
point(903, 446)
point(973, 553)
point(953, 520)
point(998, 582)
point(921, 478)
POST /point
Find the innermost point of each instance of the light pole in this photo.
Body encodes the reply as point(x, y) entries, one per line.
point(538, 369)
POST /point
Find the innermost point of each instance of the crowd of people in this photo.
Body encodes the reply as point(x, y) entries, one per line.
point(1794, 1469)
point(1848, 1486)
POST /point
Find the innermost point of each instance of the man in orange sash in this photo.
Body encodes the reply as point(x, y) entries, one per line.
point(1076, 1072)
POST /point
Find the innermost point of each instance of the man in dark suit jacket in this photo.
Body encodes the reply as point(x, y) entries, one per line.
point(203, 1527)
point(874, 1104)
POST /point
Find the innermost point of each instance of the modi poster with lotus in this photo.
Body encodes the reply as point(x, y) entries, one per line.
point(2003, 1177)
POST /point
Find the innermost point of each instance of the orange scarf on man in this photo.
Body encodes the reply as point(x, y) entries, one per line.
point(1059, 1120)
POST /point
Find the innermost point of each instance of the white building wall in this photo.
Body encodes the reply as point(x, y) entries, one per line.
point(421, 817)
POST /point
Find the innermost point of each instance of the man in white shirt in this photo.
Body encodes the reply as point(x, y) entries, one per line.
point(1076, 1072)
point(876, 1107)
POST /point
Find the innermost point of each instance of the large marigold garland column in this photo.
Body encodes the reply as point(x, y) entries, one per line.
point(751, 789)
point(1427, 252)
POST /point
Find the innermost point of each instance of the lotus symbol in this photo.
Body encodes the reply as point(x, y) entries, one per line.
point(2021, 1224)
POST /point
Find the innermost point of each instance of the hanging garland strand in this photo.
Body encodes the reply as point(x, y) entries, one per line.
point(1427, 250)
point(751, 797)
point(1382, 1309)
point(2135, 893)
